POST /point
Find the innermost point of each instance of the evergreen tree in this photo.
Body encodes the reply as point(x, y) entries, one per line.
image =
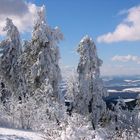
point(41, 55)
point(91, 90)
point(10, 52)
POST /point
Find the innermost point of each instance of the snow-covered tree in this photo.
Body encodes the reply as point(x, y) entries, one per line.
point(41, 55)
point(91, 90)
point(44, 45)
point(10, 52)
point(126, 122)
point(32, 74)
point(40, 66)
point(72, 86)
point(78, 128)
point(29, 89)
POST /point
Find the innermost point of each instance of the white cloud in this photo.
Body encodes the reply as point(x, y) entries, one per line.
point(13, 7)
point(22, 13)
point(127, 30)
point(126, 58)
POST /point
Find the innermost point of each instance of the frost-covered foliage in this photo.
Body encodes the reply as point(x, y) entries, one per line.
point(125, 123)
point(72, 87)
point(10, 51)
point(91, 90)
point(29, 90)
point(32, 75)
point(78, 128)
point(44, 46)
point(41, 55)
point(26, 71)
point(34, 112)
point(51, 111)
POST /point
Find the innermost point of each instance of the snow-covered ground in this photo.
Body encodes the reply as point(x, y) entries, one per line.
point(113, 90)
point(125, 90)
point(131, 90)
point(14, 134)
point(132, 81)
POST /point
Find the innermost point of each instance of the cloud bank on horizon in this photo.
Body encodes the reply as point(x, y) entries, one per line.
point(126, 58)
point(22, 13)
point(127, 30)
point(110, 70)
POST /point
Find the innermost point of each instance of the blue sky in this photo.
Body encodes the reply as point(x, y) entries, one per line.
point(97, 18)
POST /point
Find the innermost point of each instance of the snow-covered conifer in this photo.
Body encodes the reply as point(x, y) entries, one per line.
point(91, 90)
point(10, 52)
point(41, 55)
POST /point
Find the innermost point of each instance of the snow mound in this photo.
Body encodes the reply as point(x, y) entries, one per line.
point(14, 134)
point(131, 90)
point(113, 90)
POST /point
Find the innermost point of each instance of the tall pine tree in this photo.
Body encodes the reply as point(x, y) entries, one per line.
point(91, 90)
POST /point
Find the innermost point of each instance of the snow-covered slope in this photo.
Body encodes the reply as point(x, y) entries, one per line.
point(132, 89)
point(14, 134)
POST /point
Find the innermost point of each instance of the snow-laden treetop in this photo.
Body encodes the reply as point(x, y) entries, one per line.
point(41, 15)
point(90, 85)
point(43, 32)
point(87, 47)
point(11, 30)
point(88, 53)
